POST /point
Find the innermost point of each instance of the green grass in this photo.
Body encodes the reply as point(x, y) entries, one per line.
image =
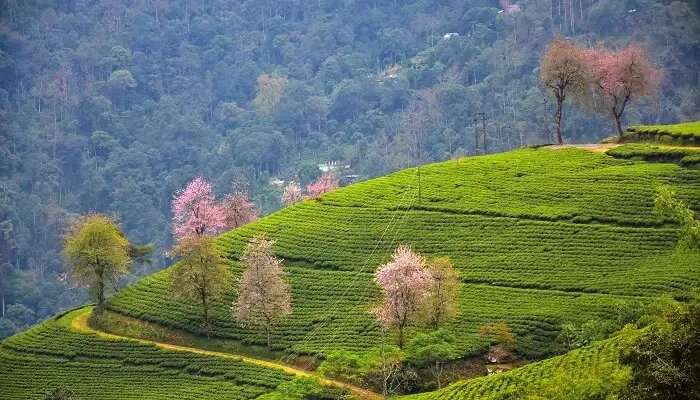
point(52, 355)
point(527, 378)
point(684, 133)
point(540, 237)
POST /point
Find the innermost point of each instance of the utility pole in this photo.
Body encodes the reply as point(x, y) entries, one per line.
point(419, 135)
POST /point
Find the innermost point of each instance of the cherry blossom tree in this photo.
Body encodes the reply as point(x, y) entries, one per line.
point(196, 212)
point(325, 183)
point(238, 210)
point(264, 297)
point(617, 78)
point(292, 194)
point(405, 284)
point(563, 71)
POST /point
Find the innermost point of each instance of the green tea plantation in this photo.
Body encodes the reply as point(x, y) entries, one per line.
point(541, 238)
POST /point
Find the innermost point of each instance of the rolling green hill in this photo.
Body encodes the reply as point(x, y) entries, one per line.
point(541, 237)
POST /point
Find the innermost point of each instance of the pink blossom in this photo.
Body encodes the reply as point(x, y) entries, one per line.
point(195, 211)
point(325, 183)
point(620, 77)
point(238, 210)
point(292, 194)
point(405, 283)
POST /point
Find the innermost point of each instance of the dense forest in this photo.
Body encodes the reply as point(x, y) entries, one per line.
point(111, 106)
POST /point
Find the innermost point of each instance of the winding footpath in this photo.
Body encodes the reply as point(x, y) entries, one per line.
point(80, 324)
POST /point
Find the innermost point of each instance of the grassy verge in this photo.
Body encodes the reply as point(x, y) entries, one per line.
point(119, 324)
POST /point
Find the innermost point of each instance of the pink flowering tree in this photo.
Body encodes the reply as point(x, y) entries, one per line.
point(196, 212)
point(292, 194)
point(405, 284)
point(619, 78)
point(325, 183)
point(238, 210)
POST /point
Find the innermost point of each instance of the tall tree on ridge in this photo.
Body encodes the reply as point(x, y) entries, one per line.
point(620, 77)
point(563, 71)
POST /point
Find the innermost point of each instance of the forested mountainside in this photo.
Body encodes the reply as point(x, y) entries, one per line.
point(109, 106)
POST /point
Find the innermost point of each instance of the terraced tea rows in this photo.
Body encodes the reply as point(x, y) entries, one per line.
point(540, 237)
point(52, 355)
point(347, 324)
point(685, 156)
point(686, 133)
point(526, 378)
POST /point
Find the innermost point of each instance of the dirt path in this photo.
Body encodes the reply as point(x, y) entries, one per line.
point(594, 147)
point(80, 323)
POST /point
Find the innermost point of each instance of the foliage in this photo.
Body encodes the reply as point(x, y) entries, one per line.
point(97, 252)
point(441, 303)
point(668, 205)
point(269, 95)
point(555, 378)
point(306, 389)
point(501, 340)
point(344, 365)
point(574, 336)
point(201, 274)
point(263, 293)
point(405, 285)
point(665, 360)
point(59, 394)
point(433, 350)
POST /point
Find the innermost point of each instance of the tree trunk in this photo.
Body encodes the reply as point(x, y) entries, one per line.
point(205, 313)
point(557, 120)
point(401, 338)
point(100, 292)
point(100, 285)
point(618, 125)
point(438, 373)
point(269, 337)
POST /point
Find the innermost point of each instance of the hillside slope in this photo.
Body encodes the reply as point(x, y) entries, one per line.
point(55, 355)
point(541, 237)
